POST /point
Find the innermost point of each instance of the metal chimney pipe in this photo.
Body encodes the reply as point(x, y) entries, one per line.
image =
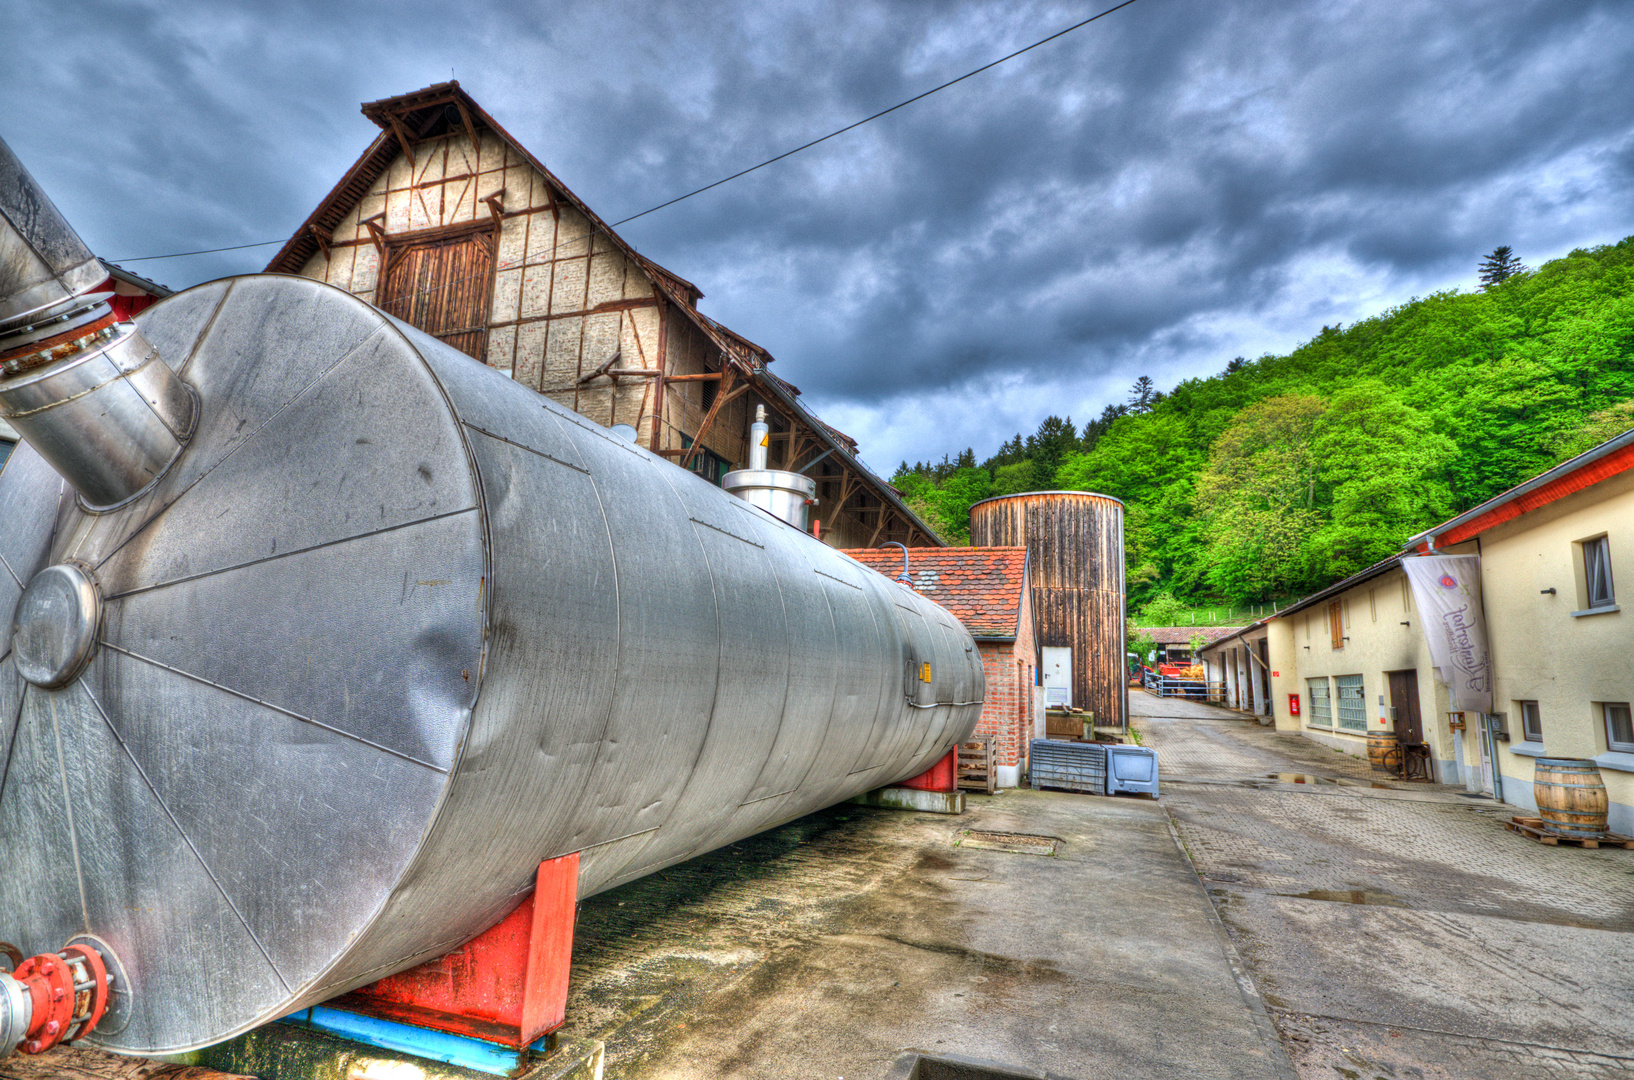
point(759, 437)
point(88, 393)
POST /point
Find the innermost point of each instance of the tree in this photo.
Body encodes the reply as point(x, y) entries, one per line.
point(1500, 266)
point(1051, 443)
point(1164, 610)
point(1597, 427)
point(1140, 395)
point(1016, 477)
point(1258, 495)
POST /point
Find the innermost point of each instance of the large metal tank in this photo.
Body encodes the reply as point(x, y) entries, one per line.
point(389, 631)
point(1074, 542)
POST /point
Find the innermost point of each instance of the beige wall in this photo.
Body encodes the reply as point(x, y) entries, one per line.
point(1540, 652)
point(1377, 643)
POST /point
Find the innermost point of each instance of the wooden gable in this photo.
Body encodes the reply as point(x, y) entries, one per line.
point(449, 224)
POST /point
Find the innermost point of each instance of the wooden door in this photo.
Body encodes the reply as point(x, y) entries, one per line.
point(1263, 708)
point(1404, 699)
point(441, 281)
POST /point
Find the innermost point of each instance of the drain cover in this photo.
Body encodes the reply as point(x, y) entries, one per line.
point(1015, 843)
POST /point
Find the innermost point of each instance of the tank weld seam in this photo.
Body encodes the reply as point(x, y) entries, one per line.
point(209, 325)
point(941, 704)
point(11, 746)
point(288, 554)
point(529, 449)
point(68, 808)
point(831, 577)
point(763, 798)
point(245, 441)
point(275, 708)
point(726, 532)
point(188, 840)
point(151, 357)
point(614, 840)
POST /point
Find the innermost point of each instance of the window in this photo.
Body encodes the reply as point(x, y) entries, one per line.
point(1352, 708)
point(706, 463)
point(1336, 624)
point(1321, 706)
point(1597, 572)
point(1619, 726)
point(1531, 725)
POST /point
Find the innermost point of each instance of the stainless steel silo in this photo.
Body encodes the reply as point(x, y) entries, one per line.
point(387, 632)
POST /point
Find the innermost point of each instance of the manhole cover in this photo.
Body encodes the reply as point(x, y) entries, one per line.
point(1015, 843)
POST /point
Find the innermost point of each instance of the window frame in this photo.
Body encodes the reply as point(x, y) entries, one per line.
point(1531, 721)
point(1613, 743)
point(1596, 555)
point(1325, 712)
point(1358, 722)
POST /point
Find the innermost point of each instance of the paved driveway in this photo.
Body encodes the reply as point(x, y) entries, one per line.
point(1398, 930)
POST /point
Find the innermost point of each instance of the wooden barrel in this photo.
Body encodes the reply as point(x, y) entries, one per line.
point(1571, 797)
point(1382, 751)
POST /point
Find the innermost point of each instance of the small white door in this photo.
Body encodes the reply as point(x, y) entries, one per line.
point(1484, 738)
point(1057, 676)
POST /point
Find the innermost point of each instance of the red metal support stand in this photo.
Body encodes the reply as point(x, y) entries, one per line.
point(943, 776)
point(507, 985)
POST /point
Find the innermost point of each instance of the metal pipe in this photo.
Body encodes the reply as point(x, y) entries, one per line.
point(903, 577)
point(759, 437)
point(90, 394)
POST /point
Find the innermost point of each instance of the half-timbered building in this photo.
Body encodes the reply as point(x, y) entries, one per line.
point(449, 224)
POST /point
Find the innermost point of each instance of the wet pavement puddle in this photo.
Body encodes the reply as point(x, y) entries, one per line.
point(1336, 781)
point(1349, 896)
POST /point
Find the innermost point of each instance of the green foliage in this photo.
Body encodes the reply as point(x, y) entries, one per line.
point(1284, 473)
point(1142, 644)
point(1164, 610)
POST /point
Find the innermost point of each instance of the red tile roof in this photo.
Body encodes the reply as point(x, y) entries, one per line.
point(1182, 635)
point(980, 586)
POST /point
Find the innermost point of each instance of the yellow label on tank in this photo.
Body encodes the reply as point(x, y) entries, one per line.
point(924, 674)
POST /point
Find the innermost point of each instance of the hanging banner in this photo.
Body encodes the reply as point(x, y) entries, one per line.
point(1447, 590)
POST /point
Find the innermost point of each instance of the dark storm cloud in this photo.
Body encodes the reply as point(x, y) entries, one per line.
point(1155, 193)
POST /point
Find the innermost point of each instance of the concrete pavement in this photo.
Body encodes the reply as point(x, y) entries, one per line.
point(828, 947)
point(1398, 930)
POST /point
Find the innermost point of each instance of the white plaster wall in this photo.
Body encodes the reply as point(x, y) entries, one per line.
point(1541, 653)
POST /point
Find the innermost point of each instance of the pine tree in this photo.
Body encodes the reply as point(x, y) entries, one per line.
point(1140, 395)
point(1501, 265)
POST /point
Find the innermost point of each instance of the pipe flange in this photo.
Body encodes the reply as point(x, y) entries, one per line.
point(16, 1012)
point(117, 1007)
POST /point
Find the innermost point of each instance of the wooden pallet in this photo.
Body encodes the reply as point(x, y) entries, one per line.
point(1532, 828)
point(976, 771)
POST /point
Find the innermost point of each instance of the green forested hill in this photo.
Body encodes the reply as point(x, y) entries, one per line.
point(1287, 472)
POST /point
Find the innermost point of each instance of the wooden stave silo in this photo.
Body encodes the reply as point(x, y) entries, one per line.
point(1077, 603)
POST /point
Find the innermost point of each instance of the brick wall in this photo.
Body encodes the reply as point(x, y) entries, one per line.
point(1010, 668)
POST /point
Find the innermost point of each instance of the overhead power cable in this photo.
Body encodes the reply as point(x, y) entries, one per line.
point(876, 116)
point(769, 161)
point(206, 251)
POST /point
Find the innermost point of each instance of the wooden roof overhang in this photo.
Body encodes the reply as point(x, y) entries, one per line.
point(407, 118)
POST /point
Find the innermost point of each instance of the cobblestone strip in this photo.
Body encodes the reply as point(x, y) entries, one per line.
point(1429, 855)
point(1328, 1047)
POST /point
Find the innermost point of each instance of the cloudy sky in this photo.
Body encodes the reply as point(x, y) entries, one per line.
point(1179, 183)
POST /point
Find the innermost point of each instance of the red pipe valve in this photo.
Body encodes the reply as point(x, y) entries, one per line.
point(52, 998)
